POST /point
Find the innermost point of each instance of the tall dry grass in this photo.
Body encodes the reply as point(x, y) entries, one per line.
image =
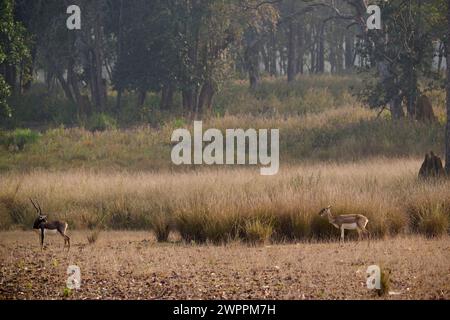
point(234, 203)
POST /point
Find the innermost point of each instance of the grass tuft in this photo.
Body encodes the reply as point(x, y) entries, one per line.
point(257, 232)
point(93, 237)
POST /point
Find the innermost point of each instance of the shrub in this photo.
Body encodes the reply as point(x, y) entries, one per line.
point(434, 224)
point(120, 219)
point(396, 223)
point(101, 122)
point(292, 226)
point(257, 232)
point(221, 228)
point(429, 219)
point(18, 138)
point(191, 226)
point(161, 225)
point(93, 236)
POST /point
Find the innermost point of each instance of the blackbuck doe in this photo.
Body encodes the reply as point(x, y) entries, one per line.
point(343, 222)
point(44, 227)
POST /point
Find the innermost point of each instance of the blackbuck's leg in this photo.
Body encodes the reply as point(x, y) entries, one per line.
point(369, 235)
point(342, 234)
point(66, 239)
point(42, 233)
point(68, 242)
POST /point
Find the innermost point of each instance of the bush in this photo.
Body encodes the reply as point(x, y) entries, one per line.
point(17, 139)
point(429, 219)
point(191, 226)
point(257, 232)
point(161, 225)
point(222, 228)
point(434, 224)
point(93, 236)
point(101, 122)
point(292, 226)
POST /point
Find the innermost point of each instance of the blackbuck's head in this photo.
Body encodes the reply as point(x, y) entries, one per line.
point(325, 211)
point(40, 218)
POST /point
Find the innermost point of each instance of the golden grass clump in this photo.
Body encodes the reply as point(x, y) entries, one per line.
point(93, 236)
point(257, 232)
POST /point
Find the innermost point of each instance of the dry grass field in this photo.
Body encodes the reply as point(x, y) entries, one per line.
point(227, 204)
point(132, 265)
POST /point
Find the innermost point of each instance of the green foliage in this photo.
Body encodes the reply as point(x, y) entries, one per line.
point(13, 50)
point(5, 110)
point(399, 58)
point(67, 292)
point(101, 122)
point(17, 139)
point(36, 106)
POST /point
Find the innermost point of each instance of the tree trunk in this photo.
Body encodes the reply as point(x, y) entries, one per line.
point(396, 108)
point(447, 128)
point(98, 57)
point(188, 99)
point(64, 85)
point(252, 61)
point(166, 97)
point(205, 98)
point(339, 54)
point(349, 48)
point(300, 48)
point(321, 50)
point(291, 56)
point(119, 99)
point(273, 55)
point(265, 58)
point(411, 96)
point(332, 58)
point(141, 97)
point(72, 79)
point(11, 78)
point(119, 53)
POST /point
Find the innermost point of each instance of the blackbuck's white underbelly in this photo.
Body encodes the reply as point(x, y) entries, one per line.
point(46, 231)
point(350, 226)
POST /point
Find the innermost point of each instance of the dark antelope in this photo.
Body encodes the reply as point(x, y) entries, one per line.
point(41, 224)
point(343, 222)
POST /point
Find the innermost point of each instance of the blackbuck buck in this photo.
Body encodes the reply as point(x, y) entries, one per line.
point(44, 227)
point(343, 222)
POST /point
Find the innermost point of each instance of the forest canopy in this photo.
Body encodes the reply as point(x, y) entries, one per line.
point(189, 48)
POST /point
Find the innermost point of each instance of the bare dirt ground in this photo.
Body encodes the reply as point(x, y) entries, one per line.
point(131, 265)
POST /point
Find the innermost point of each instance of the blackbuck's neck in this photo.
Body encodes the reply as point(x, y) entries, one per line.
point(330, 218)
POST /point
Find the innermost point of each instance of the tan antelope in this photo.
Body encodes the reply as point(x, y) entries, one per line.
point(343, 222)
point(44, 227)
